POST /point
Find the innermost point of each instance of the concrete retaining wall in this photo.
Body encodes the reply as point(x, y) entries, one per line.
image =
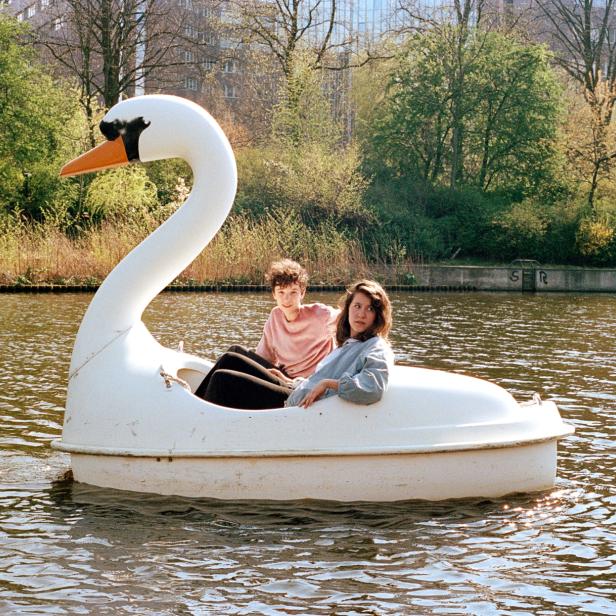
point(429, 278)
point(515, 278)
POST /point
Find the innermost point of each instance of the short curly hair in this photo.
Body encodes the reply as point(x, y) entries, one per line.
point(286, 272)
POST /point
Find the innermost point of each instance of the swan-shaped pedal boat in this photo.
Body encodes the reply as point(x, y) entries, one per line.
point(132, 423)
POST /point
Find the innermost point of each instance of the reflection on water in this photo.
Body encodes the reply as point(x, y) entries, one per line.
point(71, 548)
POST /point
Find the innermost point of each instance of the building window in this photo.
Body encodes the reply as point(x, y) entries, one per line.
point(207, 37)
point(20, 16)
point(190, 30)
point(187, 55)
point(229, 90)
point(230, 66)
point(44, 4)
point(190, 83)
point(208, 64)
point(31, 11)
point(57, 23)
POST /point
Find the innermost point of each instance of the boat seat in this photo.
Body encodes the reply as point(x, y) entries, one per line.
point(192, 376)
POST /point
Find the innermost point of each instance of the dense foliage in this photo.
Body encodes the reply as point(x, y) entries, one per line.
point(465, 146)
point(470, 151)
point(506, 109)
point(38, 127)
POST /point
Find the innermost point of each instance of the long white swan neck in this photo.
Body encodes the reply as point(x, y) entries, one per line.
point(163, 255)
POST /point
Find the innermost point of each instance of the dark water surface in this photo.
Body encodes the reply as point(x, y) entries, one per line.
point(67, 548)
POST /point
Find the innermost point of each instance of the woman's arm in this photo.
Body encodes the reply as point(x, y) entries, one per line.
point(365, 375)
point(368, 385)
point(318, 390)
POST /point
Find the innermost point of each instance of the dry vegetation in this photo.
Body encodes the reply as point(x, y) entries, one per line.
point(239, 254)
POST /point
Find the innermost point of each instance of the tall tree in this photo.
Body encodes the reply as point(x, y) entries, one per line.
point(272, 36)
point(507, 105)
point(465, 16)
point(584, 35)
point(36, 118)
point(110, 46)
point(284, 26)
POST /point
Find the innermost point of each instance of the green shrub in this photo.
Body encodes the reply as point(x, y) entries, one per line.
point(559, 243)
point(518, 232)
point(596, 241)
point(167, 175)
point(122, 194)
point(431, 223)
point(318, 183)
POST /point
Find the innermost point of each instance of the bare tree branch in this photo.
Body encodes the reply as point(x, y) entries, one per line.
point(98, 42)
point(583, 34)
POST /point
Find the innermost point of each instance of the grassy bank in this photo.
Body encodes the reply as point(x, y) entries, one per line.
point(239, 254)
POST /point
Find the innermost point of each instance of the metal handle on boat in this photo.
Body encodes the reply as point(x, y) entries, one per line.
point(537, 399)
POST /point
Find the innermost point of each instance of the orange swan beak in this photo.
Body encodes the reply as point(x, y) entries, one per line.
point(104, 156)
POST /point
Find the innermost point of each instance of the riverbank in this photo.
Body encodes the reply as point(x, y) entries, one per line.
point(518, 276)
point(222, 288)
point(45, 259)
point(515, 277)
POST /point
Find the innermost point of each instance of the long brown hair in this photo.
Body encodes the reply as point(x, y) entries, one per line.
point(380, 303)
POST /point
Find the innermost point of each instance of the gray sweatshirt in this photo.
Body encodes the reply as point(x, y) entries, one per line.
point(361, 368)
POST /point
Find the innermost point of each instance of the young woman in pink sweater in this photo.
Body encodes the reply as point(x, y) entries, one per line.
point(296, 336)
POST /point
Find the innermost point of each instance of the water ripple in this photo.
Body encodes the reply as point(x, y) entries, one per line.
point(71, 548)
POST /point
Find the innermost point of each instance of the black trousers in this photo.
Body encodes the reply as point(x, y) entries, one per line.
point(240, 379)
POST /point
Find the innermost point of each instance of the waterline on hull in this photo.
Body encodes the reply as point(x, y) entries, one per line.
point(490, 473)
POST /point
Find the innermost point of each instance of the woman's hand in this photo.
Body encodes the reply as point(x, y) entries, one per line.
point(318, 390)
point(280, 376)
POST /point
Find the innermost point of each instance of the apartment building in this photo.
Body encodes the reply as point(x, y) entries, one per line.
point(176, 46)
point(204, 60)
point(194, 48)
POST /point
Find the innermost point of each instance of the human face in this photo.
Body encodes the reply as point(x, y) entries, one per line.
point(289, 298)
point(361, 314)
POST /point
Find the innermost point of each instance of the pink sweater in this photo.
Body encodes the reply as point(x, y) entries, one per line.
point(298, 346)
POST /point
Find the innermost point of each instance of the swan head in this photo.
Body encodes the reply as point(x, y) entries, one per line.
point(155, 127)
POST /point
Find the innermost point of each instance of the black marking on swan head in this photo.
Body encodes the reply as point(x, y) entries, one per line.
point(130, 131)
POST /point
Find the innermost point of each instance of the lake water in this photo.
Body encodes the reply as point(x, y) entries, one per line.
point(68, 548)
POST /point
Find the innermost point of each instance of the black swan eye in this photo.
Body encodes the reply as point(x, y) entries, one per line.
point(130, 131)
point(112, 130)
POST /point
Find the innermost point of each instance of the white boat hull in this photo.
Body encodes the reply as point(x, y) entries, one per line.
point(435, 476)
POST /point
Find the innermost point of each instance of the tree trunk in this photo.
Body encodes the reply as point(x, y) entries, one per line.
point(457, 109)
